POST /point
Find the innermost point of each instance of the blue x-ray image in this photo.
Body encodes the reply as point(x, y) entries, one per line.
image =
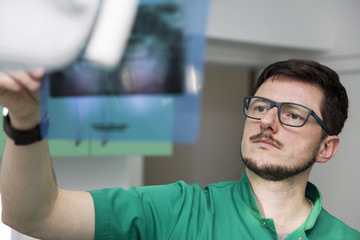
point(154, 94)
point(153, 62)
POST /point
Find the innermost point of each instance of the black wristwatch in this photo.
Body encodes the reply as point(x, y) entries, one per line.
point(22, 137)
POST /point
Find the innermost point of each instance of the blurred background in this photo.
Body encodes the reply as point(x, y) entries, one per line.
point(242, 38)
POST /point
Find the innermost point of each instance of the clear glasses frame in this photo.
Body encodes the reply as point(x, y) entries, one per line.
point(248, 99)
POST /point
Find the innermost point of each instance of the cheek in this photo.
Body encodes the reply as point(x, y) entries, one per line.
point(246, 134)
point(244, 138)
point(304, 147)
point(250, 128)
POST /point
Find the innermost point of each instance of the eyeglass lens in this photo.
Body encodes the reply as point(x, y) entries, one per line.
point(290, 114)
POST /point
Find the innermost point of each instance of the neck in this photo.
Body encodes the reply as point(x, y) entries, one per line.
point(283, 201)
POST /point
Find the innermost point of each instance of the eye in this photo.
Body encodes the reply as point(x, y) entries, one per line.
point(295, 116)
point(260, 109)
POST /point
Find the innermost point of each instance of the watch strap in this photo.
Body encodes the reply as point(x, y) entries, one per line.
point(21, 137)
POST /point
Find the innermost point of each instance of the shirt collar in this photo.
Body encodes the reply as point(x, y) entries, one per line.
point(311, 193)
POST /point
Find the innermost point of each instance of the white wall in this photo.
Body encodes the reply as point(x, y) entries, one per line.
point(297, 24)
point(344, 20)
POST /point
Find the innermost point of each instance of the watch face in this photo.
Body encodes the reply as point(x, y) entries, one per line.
point(5, 111)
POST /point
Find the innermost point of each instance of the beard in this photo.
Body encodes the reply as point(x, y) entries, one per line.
point(276, 172)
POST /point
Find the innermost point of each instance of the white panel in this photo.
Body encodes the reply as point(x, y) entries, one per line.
point(296, 23)
point(111, 32)
point(43, 33)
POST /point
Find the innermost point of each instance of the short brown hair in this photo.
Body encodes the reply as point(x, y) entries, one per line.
point(334, 108)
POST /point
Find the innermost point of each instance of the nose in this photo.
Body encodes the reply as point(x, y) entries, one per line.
point(270, 121)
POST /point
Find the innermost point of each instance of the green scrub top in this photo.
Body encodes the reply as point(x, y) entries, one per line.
point(178, 211)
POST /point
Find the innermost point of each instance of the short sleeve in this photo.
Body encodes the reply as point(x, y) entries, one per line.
point(152, 212)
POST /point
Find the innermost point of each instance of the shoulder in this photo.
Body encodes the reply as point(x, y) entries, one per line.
point(332, 226)
point(223, 185)
point(164, 194)
point(182, 186)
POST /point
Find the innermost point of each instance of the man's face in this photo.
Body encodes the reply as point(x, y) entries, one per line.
point(275, 151)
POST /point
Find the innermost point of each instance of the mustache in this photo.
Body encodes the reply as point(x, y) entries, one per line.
point(269, 137)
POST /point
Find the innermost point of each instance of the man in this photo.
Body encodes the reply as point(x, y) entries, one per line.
point(293, 118)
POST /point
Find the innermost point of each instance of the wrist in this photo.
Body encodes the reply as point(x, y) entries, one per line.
point(23, 123)
point(24, 135)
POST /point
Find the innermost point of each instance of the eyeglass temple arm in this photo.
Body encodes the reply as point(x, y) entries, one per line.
point(320, 122)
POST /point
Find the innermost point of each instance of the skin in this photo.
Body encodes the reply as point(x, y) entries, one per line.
point(284, 200)
point(32, 202)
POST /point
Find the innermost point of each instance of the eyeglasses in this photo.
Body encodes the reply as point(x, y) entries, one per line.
point(290, 114)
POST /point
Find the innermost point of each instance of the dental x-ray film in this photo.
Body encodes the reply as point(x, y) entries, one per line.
point(153, 62)
point(154, 93)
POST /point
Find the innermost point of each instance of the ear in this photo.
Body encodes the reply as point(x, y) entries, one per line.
point(328, 149)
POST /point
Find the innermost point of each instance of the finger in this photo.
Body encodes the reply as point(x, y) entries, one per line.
point(26, 79)
point(37, 73)
point(9, 83)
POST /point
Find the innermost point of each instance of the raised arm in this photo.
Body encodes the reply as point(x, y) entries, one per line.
point(32, 202)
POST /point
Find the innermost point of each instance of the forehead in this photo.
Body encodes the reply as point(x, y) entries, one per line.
point(284, 89)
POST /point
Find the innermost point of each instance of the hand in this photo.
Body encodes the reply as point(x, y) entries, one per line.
point(19, 92)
